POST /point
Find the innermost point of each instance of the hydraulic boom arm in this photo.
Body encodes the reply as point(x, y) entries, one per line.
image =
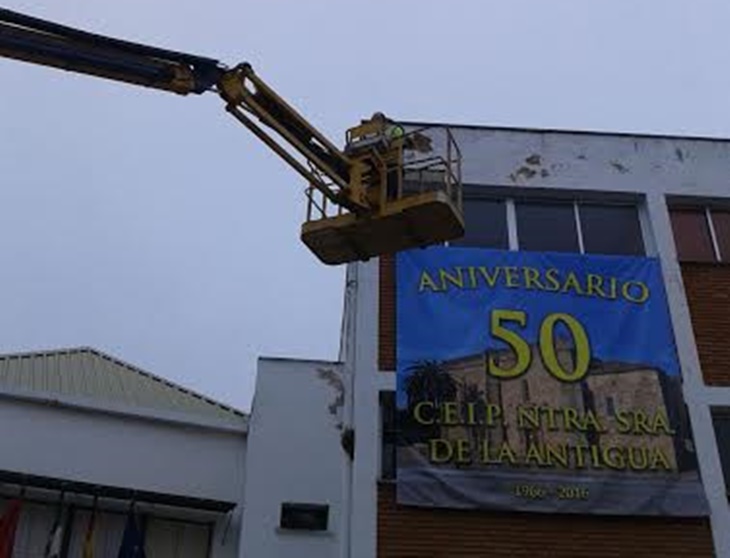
point(363, 201)
point(311, 154)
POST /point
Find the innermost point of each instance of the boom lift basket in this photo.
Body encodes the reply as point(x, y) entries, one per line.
point(414, 192)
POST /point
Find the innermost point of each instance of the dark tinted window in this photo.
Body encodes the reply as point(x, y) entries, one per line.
point(486, 224)
point(721, 222)
point(307, 517)
point(611, 229)
point(388, 427)
point(721, 421)
point(546, 227)
point(692, 235)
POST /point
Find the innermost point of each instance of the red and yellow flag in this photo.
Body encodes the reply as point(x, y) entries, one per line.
point(8, 526)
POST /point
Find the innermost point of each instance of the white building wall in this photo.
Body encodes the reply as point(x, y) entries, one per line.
point(586, 161)
point(123, 451)
point(295, 455)
point(518, 163)
point(365, 412)
point(102, 449)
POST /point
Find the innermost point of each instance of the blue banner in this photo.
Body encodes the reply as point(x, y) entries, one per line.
point(540, 381)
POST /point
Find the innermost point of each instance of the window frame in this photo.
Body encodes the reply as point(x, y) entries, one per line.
point(583, 206)
point(474, 194)
point(388, 436)
point(706, 207)
point(511, 200)
point(717, 414)
point(571, 206)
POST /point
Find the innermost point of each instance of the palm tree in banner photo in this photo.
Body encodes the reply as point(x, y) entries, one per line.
point(427, 380)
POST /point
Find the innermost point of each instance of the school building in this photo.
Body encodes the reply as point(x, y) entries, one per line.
point(311, 471)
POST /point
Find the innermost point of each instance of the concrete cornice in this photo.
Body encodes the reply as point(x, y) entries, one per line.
point(109, 408)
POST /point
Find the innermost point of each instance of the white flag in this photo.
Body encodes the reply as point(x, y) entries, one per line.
point(55, 540)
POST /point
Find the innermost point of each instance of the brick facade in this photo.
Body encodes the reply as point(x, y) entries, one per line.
point(423, 533)
point(707, 286)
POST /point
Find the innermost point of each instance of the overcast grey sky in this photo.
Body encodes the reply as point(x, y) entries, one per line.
point(156, 228)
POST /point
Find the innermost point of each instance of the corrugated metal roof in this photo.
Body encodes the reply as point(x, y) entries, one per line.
point(90, 374)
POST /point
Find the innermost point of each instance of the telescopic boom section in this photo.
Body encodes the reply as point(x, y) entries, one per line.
point(43, 42)
point(327, 168)
point(276, 123)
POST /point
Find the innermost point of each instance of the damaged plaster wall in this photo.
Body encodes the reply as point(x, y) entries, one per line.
point(578, 161)
point(295, 455)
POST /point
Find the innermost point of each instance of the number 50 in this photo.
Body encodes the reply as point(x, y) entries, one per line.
point(546, 345)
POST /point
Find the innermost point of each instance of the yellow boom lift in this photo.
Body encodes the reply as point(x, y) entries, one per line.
point(378, 195)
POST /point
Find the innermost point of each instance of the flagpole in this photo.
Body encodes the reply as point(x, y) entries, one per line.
point(90, 529)
point(69, 521)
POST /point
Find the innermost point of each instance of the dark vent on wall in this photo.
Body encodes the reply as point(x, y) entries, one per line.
point(304, 517)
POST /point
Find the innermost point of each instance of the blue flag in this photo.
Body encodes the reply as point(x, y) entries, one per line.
point(133, 539)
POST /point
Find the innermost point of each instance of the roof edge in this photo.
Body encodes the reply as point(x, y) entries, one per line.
point(131, 367)
point(565, 131)
point(143, 413)
point(300, 360)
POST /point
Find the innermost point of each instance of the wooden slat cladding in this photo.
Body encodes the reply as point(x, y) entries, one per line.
point(707, 286)
point(386, 314)
point(435, 533)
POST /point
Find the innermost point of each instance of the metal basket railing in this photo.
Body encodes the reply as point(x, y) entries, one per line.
point(436, 166)
point(431, 162)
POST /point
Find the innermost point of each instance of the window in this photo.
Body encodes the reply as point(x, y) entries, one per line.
point(555, 226)
point(721, 422)
point(547, 227)
point(525, 391)
point(486, 224)
point(108, 531)
point(721, 223)
point(167, 538)
point(701, 234)
point(589, 228)
point(611, 229)
point(692, 236)
point(34, 525)
point(389, 435)
point(304, 517)
point(610, 406)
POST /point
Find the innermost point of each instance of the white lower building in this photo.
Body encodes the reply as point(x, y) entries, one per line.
point(86, 430)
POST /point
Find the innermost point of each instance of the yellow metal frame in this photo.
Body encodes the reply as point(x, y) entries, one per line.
point(424, 207)
point(327, 169)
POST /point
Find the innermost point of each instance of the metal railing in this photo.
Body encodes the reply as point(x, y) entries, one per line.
point(436, 166)
point(431, 162)
point(320, 206)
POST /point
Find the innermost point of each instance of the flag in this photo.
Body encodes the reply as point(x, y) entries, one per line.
point(55, 537)
point(55, 540)
point(89, 537)
point(133, 540)
point(8, 526)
